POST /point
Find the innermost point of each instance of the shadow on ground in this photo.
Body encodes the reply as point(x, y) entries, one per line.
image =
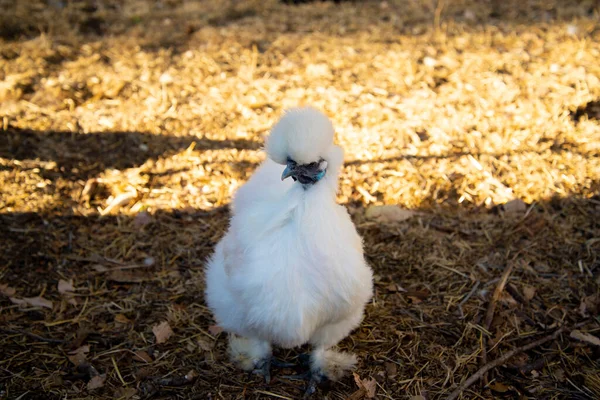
point(84, 155)
point(434, 275)
point(93, 20)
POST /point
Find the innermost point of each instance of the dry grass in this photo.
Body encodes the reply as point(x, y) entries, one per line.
point(447, 108)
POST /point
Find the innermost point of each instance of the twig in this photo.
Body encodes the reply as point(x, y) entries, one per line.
point(489, 316)
point(499, 361)
point(438, 15)
point(32, 335)
point(466, 298)
point(118, 372)
point(516, 295)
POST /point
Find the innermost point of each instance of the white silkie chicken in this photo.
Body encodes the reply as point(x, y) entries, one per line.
point(290, 270)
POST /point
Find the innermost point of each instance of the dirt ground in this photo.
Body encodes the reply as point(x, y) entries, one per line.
point(128, 125)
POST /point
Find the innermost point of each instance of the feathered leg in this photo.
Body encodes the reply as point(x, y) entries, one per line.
point(251, 355)
point(254, 355)
point(326, 363)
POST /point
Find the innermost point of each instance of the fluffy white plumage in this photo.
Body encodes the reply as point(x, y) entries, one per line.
point(290, 269)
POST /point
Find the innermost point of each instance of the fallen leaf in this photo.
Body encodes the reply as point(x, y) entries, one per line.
point(515, 206)
point(389, 213)
point(585, 337)
point(125, 393)
point(142, 219)
point(174, 275)
point(96, 382)
point(420, 294)
point(499, 387)
point(162, 332)
point(508, 300)
point(528, 292)
point(371, 387)
point(215, 330)
point(590, 305)
point(78, 356)
point(144, 373)
point(7, 290)
point(417, 296)
point(100, 268)
point(368, 385)
point(33, 301)
point(82, 349)
point(391, 369)
point(122, 319)
point(65, 286)
point(204, 344)
point(358, 395)
point(81, 335)
point(124, 276)
point(520, 360)
point(142, 356)
point(394, 287)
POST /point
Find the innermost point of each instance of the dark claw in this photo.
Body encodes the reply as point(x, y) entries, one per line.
point(315, 379)
point(299, 377)
point(276, 363)
point(304, 360)
point(264, 369)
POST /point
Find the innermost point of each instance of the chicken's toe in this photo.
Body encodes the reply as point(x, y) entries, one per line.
point(316, 378)
point(277, 363)
point(263, 368)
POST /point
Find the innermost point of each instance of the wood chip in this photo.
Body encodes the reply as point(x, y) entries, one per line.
point(118, 202)
point(585, 337)
point(33, 301)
